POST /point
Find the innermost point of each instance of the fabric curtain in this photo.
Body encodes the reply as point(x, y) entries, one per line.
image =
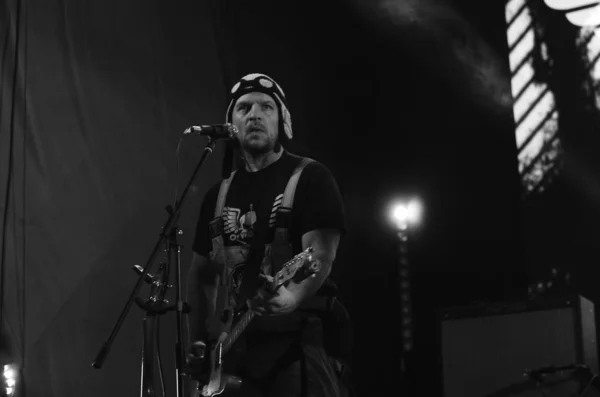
point(95, 96)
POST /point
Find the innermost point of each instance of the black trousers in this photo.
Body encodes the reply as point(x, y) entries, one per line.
point(289, 365)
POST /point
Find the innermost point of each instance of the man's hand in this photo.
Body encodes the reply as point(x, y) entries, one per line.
point(285, 301)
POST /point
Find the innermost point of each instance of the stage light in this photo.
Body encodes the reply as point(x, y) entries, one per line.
point(569, 4)
point(405, 214)
point(584, 13)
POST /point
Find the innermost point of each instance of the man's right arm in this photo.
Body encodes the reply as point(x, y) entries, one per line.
point(202, 282)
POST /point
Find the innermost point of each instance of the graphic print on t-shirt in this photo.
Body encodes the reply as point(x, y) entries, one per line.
point(240, 229)
point(236, 227)
point(276, 205)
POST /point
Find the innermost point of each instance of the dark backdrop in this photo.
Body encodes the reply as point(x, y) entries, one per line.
point(394, 97)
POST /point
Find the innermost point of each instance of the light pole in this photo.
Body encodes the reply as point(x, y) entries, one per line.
point(405, 215)
point(10, 371)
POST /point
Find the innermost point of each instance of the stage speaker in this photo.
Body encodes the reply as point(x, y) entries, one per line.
point(529, 348)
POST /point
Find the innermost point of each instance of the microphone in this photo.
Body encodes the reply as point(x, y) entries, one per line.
point(215, 131)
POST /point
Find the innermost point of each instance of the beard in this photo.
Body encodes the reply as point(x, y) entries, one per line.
point(258, 148)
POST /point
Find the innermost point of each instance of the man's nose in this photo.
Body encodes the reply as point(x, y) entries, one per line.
point(254, 112)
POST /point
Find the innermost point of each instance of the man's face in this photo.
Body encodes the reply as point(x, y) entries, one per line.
point(257, 119)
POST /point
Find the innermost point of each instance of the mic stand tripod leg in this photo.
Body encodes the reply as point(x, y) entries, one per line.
point(147, 370)
point(155, 306)
point(180, 308)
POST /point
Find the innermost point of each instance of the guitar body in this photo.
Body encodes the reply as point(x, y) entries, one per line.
point(218, 381)
point(229, 386)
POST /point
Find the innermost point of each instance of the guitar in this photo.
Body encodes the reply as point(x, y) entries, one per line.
point(298, 268)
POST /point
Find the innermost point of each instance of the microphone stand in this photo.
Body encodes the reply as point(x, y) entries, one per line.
point(154, 305)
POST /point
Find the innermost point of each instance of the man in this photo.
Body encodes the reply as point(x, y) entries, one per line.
point(246, 230)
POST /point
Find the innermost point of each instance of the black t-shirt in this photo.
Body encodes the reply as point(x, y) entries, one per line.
point(253, 200)
point(317, 204)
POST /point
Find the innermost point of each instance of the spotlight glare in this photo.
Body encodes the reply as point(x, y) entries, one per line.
point(404, 214)
point(400, 214)
point(9, 373)
point(414, 212)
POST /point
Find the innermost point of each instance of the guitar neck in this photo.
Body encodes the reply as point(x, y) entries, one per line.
point(237, 330)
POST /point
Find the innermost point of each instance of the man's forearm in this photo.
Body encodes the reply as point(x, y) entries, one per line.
point(308, 287)
point(325, 243)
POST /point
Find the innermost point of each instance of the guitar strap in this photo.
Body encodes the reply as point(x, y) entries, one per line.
point(221, 254)
point(280, 249)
